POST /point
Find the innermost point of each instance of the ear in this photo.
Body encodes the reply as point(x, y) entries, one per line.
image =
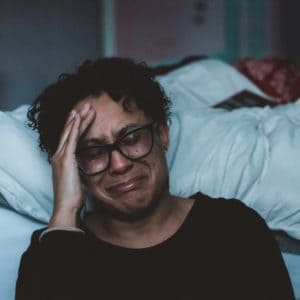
point(163, 131)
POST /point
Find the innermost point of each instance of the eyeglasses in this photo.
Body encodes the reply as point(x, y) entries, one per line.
point(133, 145)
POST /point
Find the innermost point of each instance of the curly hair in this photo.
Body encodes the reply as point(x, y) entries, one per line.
point(118, 77)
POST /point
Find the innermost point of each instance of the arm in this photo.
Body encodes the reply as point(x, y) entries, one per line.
point(47, 266)
point(267, 274)
point(44, 263)
point(28, 284)
point(67, 186)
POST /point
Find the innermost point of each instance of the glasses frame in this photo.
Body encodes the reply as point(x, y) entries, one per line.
point(115, 146)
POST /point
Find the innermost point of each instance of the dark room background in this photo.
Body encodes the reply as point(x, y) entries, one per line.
point(41, 39)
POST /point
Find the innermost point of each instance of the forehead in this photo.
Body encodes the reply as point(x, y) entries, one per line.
point(110, 117)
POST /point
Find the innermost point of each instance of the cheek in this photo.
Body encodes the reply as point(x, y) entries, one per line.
point(92, 184)
point(159, 163)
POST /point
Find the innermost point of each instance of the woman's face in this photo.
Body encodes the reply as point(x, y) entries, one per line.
point(128, 189)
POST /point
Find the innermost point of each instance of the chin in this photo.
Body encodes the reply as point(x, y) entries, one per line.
point(130, 212)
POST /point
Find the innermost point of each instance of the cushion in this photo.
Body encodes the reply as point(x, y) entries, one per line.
point(205, 83)
point(25, 174)
point(249, 154)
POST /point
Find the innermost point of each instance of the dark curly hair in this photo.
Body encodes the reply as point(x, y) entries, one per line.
point(118, 77)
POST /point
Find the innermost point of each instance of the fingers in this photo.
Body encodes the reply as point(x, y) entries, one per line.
point(66, 132)
point(72, 131)
point(70, 118)
point(86, 117)
point(71, 142)
point(86, 121)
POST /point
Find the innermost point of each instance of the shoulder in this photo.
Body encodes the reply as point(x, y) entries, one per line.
point(227, 213)
point(230, 222)
point(247, 247)
point(217, 205)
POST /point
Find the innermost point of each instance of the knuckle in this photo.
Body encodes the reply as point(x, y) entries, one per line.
point(54, 161)
point(55, 158)
point(66, 162)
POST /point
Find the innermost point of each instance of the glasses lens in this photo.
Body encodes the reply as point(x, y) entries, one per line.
point(93, 159)
point(137, 143)
point(133, 145)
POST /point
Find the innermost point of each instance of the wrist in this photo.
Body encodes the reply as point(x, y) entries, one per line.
point(64, 218)
point(52, 229)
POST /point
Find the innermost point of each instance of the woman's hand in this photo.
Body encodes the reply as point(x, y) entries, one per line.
point(68, 189)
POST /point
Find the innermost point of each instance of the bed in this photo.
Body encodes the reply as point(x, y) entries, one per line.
point(250, 153)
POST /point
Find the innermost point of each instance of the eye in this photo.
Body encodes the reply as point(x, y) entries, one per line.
point(92, 153)
point(131, 138)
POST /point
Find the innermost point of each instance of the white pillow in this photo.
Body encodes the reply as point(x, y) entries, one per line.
point(205, 83)
point(25, 174)
point(249, 154)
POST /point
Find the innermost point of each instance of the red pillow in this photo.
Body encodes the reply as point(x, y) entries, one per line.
point(277, 77)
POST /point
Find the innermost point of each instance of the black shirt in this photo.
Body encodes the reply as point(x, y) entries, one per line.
point(223, 250)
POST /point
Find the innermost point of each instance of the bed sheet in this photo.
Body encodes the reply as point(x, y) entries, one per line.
point(247, 154)
point(15, 233)
point(292, 262)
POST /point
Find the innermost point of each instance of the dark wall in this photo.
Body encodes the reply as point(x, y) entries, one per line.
point(40, 39)
point(292, 24)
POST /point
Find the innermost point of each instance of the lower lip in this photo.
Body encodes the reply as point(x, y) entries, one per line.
point(128, 186)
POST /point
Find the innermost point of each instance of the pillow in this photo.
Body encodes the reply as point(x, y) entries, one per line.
point(25, 174)
point(205, 83)
point(249, 154)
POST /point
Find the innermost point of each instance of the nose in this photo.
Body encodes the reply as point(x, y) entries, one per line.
point(119, 164)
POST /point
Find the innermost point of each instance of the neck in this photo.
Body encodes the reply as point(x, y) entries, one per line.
point(163, 222)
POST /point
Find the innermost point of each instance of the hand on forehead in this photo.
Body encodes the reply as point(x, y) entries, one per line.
point(110, 117)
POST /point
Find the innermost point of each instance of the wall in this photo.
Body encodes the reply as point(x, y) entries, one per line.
point(229, 29)
point(41, 39)
point(158, 30)
point(292, 25)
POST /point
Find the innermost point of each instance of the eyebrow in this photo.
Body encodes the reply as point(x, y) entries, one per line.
point(104, 141)
point(126, 129)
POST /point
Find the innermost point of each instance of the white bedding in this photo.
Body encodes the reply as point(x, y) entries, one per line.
point(15, 233)
point(249, 154)
point(292, 262)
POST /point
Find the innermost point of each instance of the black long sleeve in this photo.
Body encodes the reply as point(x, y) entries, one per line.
point(45, 266)
point(262, 260)
point(223, 250)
